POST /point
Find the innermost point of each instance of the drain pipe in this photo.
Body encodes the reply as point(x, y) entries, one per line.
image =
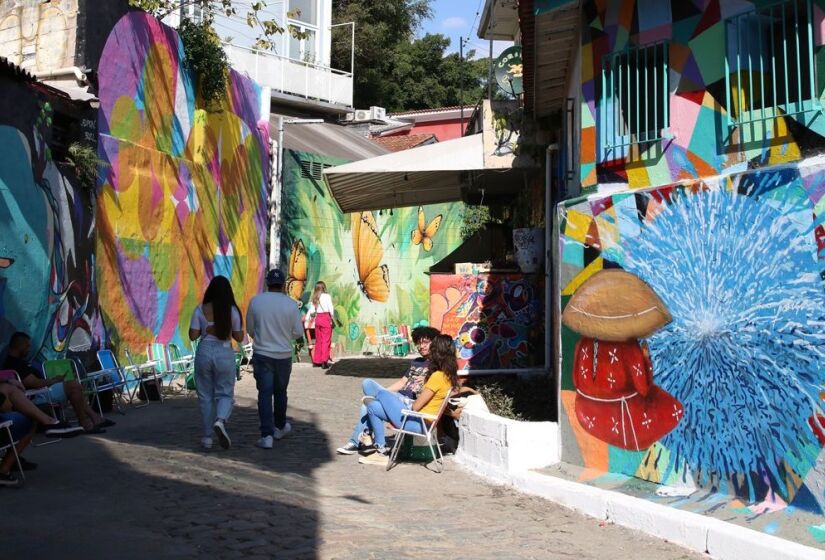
point(77, 72)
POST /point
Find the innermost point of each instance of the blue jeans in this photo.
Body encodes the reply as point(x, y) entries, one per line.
point(271, 379)
point(214, 381)
point(370, 388)
point(387, 407)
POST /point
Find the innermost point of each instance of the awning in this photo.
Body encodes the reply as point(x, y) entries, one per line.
point(425, 175)
point(327, 139)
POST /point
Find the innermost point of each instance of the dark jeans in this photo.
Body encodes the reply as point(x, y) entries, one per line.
point(271, 379)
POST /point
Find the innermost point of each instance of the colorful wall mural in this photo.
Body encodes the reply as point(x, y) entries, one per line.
point(47, 287)
point(183, 195)
point(700, 361)
point(374, 263)
point(698, 142)
point(494, 319)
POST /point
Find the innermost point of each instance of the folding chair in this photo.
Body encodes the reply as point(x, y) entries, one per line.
point(90, 382)
point(159, 353)
point(376, 341)
point(118, 376)
point(396, 341)
point(9, 374)
point(181, 364)
point(429, 433)
point(147, 371)
point(7, 426)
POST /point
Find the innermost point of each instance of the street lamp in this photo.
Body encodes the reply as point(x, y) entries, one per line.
point(275, 196)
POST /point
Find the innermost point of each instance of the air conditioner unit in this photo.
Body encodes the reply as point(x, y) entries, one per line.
point(378, 113)
point(362, 115)
point(349, 117)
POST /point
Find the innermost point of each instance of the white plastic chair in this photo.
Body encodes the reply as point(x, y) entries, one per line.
point(7, 426)
point(430, 421)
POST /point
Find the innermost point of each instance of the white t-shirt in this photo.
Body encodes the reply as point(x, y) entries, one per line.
point(201, 323)
point(324, 306)
point(273, 320)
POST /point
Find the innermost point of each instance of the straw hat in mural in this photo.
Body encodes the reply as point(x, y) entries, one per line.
point(615, 305)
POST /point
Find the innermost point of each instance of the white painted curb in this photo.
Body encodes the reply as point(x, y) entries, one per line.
point(719, 539)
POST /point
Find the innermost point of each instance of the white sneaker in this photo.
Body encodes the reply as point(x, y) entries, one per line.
point(220, 431)
point(279, 434)
point(206, 442)
point(265, 442)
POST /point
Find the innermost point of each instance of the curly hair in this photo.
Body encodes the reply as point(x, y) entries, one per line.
point(442, 357)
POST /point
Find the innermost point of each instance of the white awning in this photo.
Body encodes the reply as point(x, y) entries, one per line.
point(425, 175)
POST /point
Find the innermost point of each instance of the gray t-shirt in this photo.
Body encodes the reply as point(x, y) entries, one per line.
point(274, 323)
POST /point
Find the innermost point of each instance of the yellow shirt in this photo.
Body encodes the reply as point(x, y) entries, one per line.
point(439, 384)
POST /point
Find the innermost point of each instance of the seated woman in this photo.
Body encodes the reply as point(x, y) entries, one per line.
point(387, 406)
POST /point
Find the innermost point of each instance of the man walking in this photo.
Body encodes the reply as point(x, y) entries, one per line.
point(274, 323)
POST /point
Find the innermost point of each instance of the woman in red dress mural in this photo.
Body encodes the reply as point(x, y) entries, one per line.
point(616, 398)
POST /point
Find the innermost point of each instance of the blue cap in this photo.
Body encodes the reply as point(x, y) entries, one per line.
point(275, 278)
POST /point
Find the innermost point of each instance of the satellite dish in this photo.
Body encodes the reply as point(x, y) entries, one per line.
point(508, 70)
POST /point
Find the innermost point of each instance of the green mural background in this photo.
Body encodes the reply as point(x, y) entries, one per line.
point(311, 216)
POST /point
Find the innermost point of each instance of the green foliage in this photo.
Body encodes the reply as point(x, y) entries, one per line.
point(83, 158)
point(393, 69)
point(531, 398)
point(206, 58)
point(474, 219)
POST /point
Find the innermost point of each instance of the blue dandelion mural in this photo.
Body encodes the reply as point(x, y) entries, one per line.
point(745, 352)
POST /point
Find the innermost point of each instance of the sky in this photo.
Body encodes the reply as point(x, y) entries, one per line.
point(460, 18)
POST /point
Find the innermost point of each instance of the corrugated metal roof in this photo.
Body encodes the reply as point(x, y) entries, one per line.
point(399, 143)
point(9, 68)
point(327, 139)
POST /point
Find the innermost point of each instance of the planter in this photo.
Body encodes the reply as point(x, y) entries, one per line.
point(496, 447)
point(529, 247)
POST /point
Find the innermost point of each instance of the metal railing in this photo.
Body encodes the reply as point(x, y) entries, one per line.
point(635, 98)
point(293, 77)
point(769, 63)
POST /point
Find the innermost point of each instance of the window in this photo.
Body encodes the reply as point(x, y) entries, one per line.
point(769, 63)
point(305, 11)
point(633, 98)
point(313, 169)
point(303, 47)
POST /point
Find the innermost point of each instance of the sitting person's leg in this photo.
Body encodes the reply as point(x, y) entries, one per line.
point(87, 417)
point(387, 407)
point(19, 402)
point(22, 430)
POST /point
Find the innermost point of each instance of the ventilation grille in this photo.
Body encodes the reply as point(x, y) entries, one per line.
point(313, 169)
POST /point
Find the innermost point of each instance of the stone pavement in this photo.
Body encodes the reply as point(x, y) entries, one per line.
point(145, 490)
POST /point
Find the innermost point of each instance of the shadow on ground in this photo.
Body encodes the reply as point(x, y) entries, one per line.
point(145, 490)
point(373, 368)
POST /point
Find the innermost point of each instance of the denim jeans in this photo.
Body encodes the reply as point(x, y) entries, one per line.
point(387, 407)
point(370, 388)
point(214, 381)
point(271, 379)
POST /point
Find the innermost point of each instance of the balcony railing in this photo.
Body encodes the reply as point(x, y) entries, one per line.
point(293, 77)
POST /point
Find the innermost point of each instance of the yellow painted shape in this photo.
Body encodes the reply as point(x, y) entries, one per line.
point(593, 451)
point(580, 278)
point(578, 225)
point(587, 62)
point(782, 150)
point(637, 176)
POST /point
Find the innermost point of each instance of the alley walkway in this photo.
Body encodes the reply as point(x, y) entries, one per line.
point(144, 490)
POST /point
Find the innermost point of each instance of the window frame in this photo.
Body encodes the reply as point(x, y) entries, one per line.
point(617, 134)
point(303, 27)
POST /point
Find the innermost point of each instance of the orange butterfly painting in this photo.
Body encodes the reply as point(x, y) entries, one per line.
point(423, 234)
point(297, 275)
point(373, 277)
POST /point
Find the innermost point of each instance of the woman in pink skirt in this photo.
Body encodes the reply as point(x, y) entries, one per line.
point(321, 311)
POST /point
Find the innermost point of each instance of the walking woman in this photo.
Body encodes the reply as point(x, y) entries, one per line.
point(216, 322)
point(386, 407)
point(322, 312)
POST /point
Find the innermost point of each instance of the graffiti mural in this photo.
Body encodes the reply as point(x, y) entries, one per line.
point(495, 319)
point(38, 35)
point(698, 141)
point(47, 285)
point(374, 263)
point(183, 195)
point(734, 269)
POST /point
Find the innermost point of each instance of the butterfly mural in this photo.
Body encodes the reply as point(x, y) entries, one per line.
point(297, 275)
point(423, 234)
point(373, 277)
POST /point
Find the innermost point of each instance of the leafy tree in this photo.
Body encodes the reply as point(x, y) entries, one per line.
point(395, 70)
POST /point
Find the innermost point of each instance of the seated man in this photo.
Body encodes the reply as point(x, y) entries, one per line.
point(16, 406)
point(407, 388)
point(19, 348)
point(22, 430)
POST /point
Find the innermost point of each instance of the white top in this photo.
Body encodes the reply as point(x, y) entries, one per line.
point(324, 306)
point(273, 320)
point(201, 323)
